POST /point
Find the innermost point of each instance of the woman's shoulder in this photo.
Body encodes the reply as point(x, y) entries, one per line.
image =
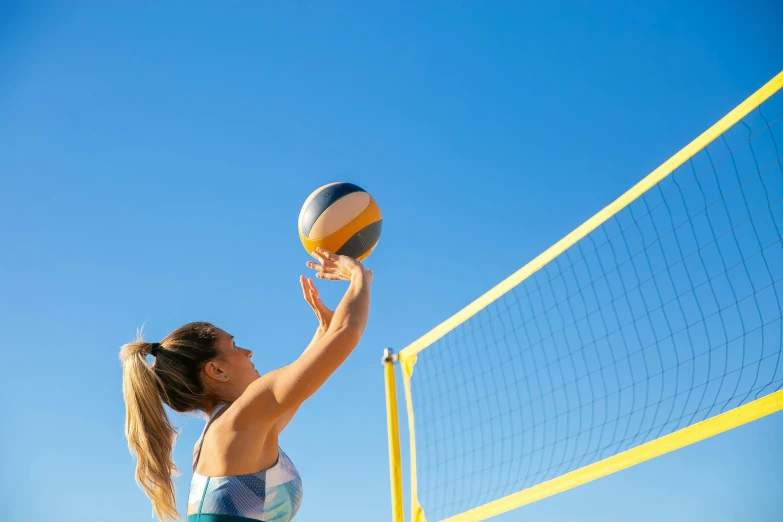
point(229, 446)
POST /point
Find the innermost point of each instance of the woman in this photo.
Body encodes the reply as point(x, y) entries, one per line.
point(239, 472)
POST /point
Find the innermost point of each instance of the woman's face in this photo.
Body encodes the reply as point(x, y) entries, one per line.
point(233, 369)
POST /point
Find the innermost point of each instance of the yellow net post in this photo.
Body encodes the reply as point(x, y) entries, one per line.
point(417, 514)
point(392, 421)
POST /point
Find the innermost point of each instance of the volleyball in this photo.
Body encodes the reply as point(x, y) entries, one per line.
point(342, 218)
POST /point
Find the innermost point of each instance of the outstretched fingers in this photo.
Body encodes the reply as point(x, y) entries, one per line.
point(313, 291)
point(323, 256)
point(318, 257)
point(317, 267)
point(329, 275)
point(325, 253)
point(307, 292)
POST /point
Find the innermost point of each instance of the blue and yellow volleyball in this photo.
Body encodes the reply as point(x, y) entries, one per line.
point(342, 218)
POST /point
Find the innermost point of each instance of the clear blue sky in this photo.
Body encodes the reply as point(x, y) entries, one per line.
point(153, 160)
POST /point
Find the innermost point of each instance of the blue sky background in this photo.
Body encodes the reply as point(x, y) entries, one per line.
point(153, 160)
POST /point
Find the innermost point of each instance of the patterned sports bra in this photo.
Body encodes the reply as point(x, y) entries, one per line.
point(271, 495)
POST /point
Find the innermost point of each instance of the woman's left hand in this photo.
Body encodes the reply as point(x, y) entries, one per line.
point(322, 313)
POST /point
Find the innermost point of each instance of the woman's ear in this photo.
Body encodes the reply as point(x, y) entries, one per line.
point(213, 371)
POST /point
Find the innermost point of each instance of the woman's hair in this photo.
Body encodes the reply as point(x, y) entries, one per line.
point(174, 378)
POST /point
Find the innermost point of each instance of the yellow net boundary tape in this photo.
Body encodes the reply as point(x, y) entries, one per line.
point(598, 219)
point(655, 448)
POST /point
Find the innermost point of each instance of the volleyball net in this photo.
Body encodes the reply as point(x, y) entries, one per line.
point(655, 324)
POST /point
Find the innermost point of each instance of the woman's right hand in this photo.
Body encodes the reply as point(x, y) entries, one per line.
point(274, 396)
point(336, 267)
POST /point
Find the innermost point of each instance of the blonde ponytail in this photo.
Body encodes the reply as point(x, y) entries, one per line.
point(174, 379)
point(149, 432)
